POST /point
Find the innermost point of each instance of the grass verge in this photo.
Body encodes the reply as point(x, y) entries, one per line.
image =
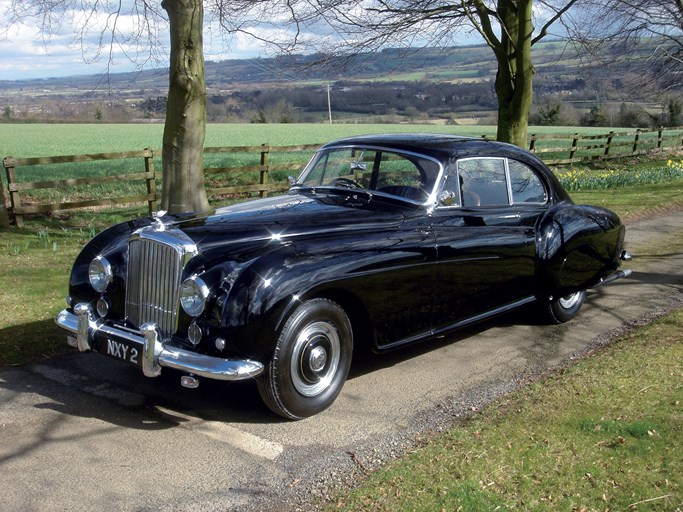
point(604, 434)
point(36, 262)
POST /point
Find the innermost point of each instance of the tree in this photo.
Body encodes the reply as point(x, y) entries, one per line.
point(675, 109)
point(185, 127)
point(349, 27)
point(623, 26)
point(507, 27)
point(548, 114)
point(597, 116)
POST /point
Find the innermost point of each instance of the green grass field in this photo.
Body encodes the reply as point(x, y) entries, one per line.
point(32, 140)
point(602, 435)
point(40, 140)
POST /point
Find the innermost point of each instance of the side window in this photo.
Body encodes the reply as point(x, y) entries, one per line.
point(483, 182)
point(403, 176)
point(525, 184)
point(341, 164)
point(395, 170)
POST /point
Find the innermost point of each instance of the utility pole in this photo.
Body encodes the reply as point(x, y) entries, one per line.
point(329, 103)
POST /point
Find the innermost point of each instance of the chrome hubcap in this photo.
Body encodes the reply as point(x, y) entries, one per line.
point(315, 358)
point(569, 301)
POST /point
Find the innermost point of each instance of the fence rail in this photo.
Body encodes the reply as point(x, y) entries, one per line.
point(221, 179)
point(607, 146)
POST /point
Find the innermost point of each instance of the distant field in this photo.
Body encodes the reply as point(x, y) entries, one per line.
point(42, 140)
point(31, 140)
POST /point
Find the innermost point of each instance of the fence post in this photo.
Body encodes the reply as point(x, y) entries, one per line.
point(263, 180)
point(150, 179)
point(635, 142)
point(608, 145)
point(660, 138)
point(532, 143)
point(4, 215)
point(575, 147)
point(14, 199)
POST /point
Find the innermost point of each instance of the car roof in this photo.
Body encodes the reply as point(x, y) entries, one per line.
point(434, 144)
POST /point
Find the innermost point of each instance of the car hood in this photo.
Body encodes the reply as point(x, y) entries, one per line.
point(249, 226)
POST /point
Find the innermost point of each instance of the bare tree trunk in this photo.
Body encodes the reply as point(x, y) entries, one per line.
point(183, 158)
point(514, 80)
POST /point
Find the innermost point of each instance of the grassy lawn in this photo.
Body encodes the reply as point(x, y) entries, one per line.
point(604, 434)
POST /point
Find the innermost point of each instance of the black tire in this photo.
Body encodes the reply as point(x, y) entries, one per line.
point(311, 361)
point(565, 308)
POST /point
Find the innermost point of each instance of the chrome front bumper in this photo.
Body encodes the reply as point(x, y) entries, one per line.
point(155, 354)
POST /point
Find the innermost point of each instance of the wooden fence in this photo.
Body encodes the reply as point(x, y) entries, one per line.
point(553, 149)
point(15, 208)
point(14, 187)
point(577, 148)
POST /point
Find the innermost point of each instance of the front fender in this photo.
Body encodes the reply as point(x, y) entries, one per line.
point(578, 246)
point(268, 290)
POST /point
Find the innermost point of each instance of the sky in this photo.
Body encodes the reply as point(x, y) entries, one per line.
point(26, 53)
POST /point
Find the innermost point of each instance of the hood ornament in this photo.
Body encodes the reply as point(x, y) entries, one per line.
point(158, 220)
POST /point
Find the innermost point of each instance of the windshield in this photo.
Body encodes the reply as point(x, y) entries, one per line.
point(404, 175)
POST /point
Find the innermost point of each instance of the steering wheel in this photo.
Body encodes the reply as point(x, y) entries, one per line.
point(346, 182)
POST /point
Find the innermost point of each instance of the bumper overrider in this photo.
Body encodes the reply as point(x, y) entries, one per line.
point(151, 354)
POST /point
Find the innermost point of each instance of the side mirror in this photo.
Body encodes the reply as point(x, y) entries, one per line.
point(447, 198)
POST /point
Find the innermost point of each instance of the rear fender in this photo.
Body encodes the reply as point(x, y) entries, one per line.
point(578, 246)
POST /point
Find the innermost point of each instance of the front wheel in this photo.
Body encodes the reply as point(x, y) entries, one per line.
point(311, 361)
point(563, 309)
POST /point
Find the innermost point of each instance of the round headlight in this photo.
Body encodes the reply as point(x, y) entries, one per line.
point(193, 295)
point(100, 274)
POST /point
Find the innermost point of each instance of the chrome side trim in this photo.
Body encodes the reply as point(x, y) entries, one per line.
point(442, 331)
point(156, 354)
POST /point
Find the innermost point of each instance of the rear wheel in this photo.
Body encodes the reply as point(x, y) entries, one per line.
point(311, 361)
point(565, 308)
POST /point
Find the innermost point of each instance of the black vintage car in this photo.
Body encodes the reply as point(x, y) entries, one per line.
point(383, 241)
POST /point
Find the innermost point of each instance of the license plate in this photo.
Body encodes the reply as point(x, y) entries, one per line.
point(122, 349)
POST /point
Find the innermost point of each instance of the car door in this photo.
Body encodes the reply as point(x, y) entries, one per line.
point(485, 229)
point(398, 289)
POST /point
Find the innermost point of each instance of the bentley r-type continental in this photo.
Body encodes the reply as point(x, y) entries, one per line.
point(382, 241)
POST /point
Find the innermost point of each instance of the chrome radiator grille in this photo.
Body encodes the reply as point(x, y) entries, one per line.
point(155, 265)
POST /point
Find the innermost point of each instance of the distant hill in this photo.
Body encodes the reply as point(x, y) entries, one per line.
point(440, 83)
